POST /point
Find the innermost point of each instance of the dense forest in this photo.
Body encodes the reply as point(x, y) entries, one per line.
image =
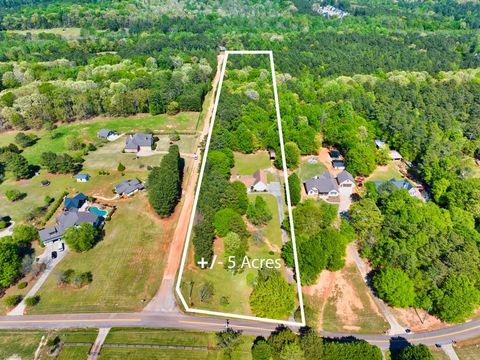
point(406, 72)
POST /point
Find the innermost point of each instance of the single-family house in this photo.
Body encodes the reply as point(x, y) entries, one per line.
point(106, 133)
point(338, 164)
point(322, 185)
point(257, 182)
point(82, 177)
point(128, 187)
point(138, 142)
point(68, 218)
point(326, 185)
point(395, 155)
point(261, 181)
point(75, 202)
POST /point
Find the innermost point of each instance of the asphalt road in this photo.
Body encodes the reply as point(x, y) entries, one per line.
point(188, 322)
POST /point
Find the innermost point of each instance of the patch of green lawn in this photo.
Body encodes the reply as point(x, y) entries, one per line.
point(439, 354)
point(306, 170)
point(36, 193)
point(77, 352)
point(19, 342)
point(247, 164)
point(471, 352)
point(160, 337)
point(87, 131)
point(166, 337)
point(384, 173)
point(127, 266)
point(67, 33)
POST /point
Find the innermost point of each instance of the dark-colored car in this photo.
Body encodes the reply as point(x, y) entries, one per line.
point(54, 254)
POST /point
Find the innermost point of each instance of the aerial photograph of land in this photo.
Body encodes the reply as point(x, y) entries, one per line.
point(240, 179)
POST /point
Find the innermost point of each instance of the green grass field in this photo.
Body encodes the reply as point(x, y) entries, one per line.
point(169, 337)
point(98, 185)
point(471, 352)
point(236, 287)
point(74, 352)
point(87, 131)
point(67, 33)
point(384, 173)
point(247, 164)
point(127, 266)
point(19, 342)
point(306, 170)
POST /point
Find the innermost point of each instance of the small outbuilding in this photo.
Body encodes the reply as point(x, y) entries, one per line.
point(334, 154)
point(395, 155)
point(105, 133)
point(82, 177)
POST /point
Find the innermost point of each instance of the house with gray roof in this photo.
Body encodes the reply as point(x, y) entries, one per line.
point(128, 187)
point(68, 218)
point(323, 186)
point(137, 142)
point(106, 133)
point(326, 185)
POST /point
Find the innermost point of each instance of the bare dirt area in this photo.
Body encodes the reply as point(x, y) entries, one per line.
point(344, 302)
point(417, 319)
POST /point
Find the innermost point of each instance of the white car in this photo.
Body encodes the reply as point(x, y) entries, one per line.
point(61, 246)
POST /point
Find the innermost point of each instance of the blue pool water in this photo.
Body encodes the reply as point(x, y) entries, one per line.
point(97, 211)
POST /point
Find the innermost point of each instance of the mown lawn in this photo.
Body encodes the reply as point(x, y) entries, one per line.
point(169, 337)
point(384, 173)
point(98, 185)
point(74, 352)
point(127, 266)
point(67, 33)
point(87, 131)
point(306, 170)
point(471, 352)
point(247, 164)
point(19, 342)
point(235, 287)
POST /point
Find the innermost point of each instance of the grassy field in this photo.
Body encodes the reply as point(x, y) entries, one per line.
point(87, 131)
point(235, 287)
point(19, 342)
point(169, 337)
point(384, 173)
point(438, 354)
point(74, 352)
point(126, 265)
point(306, 170)
point(98, 185)
point(468, 349)
point(67, 33)
point(247, 164)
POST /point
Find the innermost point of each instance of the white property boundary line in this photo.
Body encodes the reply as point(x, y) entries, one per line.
point(197, 193)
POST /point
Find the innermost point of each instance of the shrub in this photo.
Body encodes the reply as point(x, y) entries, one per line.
point(3, 224)
point(120, 167)
point(13, 300)
point(22, 285)
point(32, 300)
point(174, 136)
point(14, 195)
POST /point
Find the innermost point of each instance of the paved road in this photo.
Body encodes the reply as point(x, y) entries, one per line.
point(182, 321)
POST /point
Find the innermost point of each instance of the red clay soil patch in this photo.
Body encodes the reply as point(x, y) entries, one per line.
point(413, 318)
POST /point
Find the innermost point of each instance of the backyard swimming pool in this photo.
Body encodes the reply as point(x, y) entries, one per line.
point(97, 211)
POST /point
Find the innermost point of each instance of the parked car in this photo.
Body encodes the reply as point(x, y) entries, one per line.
point(61, 246)
point(54, 254)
